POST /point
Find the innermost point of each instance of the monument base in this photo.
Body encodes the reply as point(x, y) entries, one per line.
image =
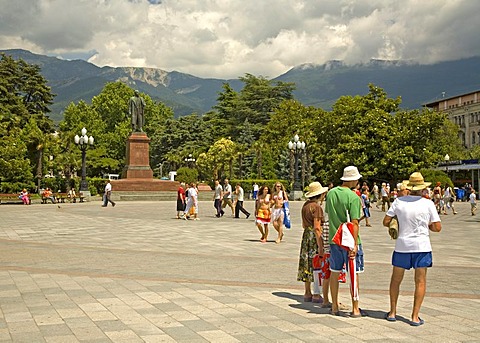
point(144, 185)
point(138, 160)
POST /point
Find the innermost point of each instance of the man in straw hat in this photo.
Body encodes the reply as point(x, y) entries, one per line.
point(416, 216)
point(312, 242)
point(341, 200)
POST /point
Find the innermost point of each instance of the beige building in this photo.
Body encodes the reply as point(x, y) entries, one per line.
point(463, 110)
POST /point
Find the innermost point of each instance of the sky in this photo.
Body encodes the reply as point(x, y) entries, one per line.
point(228, 38)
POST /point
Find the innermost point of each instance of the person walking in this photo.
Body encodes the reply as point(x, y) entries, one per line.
point(227, 196)
point(279, 197)
point(217, 199)
point(255, 191)
point(448, 199)
point(180, 200)
point(192, 203)
point(473, 201)
point(262, 212)
point(239, 202)
point(365, 198)
point(416, 217)
point(341, 203)
point(385, 192)
point(107, 194)
point(312, 242)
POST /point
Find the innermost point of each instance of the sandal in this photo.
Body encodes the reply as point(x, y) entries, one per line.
point(307, 299)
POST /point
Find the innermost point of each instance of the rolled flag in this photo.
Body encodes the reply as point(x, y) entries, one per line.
point(345, 239)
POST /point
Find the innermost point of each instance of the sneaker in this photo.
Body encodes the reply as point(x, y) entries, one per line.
point(113, 204)
point(248, 215)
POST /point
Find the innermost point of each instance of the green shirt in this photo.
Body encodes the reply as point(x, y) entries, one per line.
point(339, 201)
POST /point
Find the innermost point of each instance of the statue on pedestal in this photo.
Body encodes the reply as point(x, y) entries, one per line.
point(136, 107)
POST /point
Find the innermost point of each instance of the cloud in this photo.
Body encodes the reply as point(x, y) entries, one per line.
point(228, 38)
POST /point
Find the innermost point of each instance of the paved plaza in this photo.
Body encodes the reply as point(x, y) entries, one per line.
point(134, 273)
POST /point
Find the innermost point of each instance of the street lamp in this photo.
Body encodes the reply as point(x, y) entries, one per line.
point(190, 160)
point(297, 148)
point(446, 158)
point(83, 142)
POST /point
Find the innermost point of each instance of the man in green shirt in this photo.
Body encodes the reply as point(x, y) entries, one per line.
point(341, 200)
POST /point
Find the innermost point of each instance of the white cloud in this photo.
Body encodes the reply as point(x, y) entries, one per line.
point(228, 38)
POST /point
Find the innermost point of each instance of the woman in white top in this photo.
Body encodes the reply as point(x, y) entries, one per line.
point(279, 196)
point(416, 217)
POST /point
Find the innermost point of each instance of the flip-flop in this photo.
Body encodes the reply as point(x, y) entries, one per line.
point(307, 299)
point(317, 300)
point(390, 319)
point(420, 322)
point(333, 313)
point(359, 315)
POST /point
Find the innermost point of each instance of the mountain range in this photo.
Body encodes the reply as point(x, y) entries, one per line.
point(316, 85)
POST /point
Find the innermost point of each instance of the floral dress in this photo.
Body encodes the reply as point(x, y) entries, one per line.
point(308, 247)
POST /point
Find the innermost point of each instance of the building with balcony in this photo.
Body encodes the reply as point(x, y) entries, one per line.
point(463, 110)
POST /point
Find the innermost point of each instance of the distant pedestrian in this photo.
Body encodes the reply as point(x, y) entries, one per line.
point(279, 196)
point(227, 196)
point(473, 201)
point(192, 203)
point(255, 191)
point(262, 212)
point(180, 200)
point(239, 202)
point(217, 199)
point(107, 194)
point(448, 199)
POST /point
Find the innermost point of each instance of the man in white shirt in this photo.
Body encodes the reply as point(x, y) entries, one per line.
point(107, 194)
point(239, 203)
point(416, 217)
point(227, 196)
point(217, 199)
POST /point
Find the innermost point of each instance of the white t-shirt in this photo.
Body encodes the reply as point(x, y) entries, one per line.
point(228, 189)
point(108, 187)
point(414, 214)
point(473, 198)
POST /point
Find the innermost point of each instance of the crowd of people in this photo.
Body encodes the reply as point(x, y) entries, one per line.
point(331, 243)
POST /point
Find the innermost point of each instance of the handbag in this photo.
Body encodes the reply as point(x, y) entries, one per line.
point(393, 228)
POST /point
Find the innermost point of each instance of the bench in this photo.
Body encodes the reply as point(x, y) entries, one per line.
point(13, 198)
point(61, 197)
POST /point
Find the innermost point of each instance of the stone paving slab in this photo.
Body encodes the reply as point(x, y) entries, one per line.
point(134, 273)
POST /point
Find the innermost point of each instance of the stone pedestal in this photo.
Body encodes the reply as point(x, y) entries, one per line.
point(138, 161)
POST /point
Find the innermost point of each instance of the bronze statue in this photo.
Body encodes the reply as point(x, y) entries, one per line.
point(136, 107)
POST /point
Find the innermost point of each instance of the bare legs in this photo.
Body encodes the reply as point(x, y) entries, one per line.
point(334, 292)
point(264, 231)
point(420, 288)
point(278, 225)
point(395, 281)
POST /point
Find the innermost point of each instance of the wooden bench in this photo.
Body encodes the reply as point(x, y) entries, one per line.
point(61, 197)
point(13, 198)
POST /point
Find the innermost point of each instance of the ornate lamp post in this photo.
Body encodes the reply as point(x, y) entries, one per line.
point(297, 148)
point(190, 160)
point(446, 158)
point(83, 142)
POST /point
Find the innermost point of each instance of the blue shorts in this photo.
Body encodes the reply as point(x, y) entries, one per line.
point(339, 258)
point(407, 260)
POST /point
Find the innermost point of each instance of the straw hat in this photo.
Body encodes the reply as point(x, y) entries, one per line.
point(416, 182)
point(315, 188)
point(350, 173)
